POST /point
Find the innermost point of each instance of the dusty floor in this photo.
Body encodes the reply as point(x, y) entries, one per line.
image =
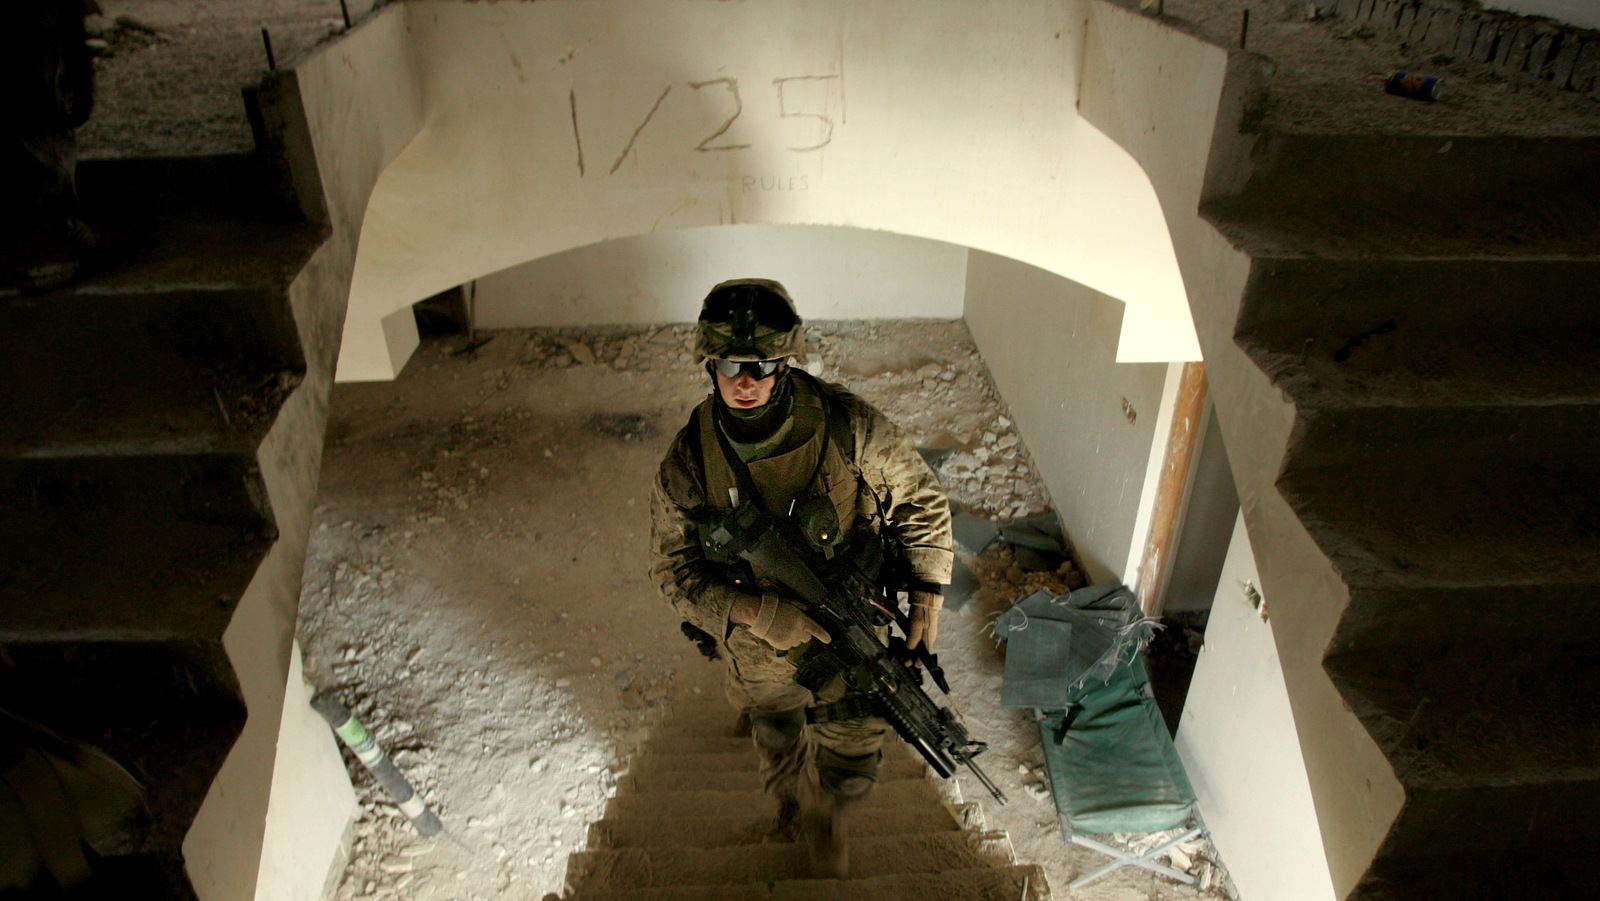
point(169, 83)
point(477, 590)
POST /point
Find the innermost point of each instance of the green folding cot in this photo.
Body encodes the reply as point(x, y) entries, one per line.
point(1112, 766)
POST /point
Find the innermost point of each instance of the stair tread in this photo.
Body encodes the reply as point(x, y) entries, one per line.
point(927, 852)
point(1480, 713)
point(117, 576)
point(671, 830)
point(152, 366)
point(739, 775)
point(909, 792)
point(1008, 883)
point(190, 221)
point(1335, 231)
point(1416, 194)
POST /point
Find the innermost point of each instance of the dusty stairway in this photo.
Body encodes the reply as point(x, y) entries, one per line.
point(1427, 301)
point(688, 819)
point(134, 512)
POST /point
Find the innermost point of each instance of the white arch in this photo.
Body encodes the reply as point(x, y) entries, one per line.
point(553, 125)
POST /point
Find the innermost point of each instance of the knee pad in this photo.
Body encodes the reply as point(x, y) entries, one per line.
point(847, 777)
point(777, 730)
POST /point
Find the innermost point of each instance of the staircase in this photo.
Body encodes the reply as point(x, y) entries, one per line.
point(1431, 305)
point(687, 823)
point(133, 512)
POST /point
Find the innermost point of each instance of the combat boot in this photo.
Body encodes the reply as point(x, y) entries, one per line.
point(842, 783)
point(785, 826)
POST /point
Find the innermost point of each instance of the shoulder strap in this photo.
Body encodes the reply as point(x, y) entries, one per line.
point(841, 431)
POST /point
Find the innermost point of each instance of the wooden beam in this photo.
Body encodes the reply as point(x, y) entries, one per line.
point(1156, 563)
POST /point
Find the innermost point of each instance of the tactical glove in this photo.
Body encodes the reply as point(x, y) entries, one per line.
point(924, 626)
point(783, 625)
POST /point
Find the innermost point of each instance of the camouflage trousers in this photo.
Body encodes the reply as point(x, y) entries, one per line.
point(758, 683)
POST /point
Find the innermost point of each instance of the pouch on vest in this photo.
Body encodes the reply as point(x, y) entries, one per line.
point(818, 520)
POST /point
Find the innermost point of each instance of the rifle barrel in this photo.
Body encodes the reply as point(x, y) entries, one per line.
point(987, 782)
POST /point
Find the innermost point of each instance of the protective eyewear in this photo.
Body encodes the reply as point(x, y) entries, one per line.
point(756, 369)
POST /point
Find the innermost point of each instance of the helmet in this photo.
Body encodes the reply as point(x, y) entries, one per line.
point(750, 319)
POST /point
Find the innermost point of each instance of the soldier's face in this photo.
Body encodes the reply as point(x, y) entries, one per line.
point(744, 391)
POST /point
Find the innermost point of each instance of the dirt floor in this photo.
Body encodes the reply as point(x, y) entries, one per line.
point(477, 590)
point(1328, 74)
point(168, 82)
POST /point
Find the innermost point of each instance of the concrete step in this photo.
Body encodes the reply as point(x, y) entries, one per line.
point(1513, 875)
point(913, 794)
point(122, 546)
point(662, 829)
point(122, 577)
point(1451, 497)
point(708, 743)
point(144, 703)
point(730, 772)
point(1395, 620)
point(1436, 331)
point(147, 367)
point(1412, 195)
point(206, 220)
point(870, 856)
point(1479, 713)
point(1010, 883)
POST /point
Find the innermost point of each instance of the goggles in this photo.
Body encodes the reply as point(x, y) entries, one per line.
point(756, 369)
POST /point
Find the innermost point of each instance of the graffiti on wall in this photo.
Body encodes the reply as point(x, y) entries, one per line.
point(810, 99)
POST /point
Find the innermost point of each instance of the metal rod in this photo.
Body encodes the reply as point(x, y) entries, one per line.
point(266, 41)
point(345, 10)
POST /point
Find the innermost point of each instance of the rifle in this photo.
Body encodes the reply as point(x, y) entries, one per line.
point(851, 613)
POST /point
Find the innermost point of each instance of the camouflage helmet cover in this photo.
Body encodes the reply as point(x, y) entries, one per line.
point(750, 319)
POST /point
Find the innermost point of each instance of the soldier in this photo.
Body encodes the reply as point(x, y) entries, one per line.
point(802, 448)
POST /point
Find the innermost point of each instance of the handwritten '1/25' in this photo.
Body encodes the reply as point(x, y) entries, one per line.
point(706, 145)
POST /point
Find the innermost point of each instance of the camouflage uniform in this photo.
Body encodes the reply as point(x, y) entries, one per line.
point(884, 472)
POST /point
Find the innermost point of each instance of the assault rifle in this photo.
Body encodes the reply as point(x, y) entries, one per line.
point(851, 613)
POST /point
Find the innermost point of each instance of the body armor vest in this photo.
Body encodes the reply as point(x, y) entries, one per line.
point(811, 480)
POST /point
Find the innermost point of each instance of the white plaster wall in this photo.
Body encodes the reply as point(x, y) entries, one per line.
point(1239, 745)
point(362, 105)
point(832, 273)
point(1157, 92)
point(1050, 345)
point(560, 124)
point(312, 801)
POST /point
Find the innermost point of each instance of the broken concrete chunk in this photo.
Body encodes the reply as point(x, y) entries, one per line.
point(580, 351)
